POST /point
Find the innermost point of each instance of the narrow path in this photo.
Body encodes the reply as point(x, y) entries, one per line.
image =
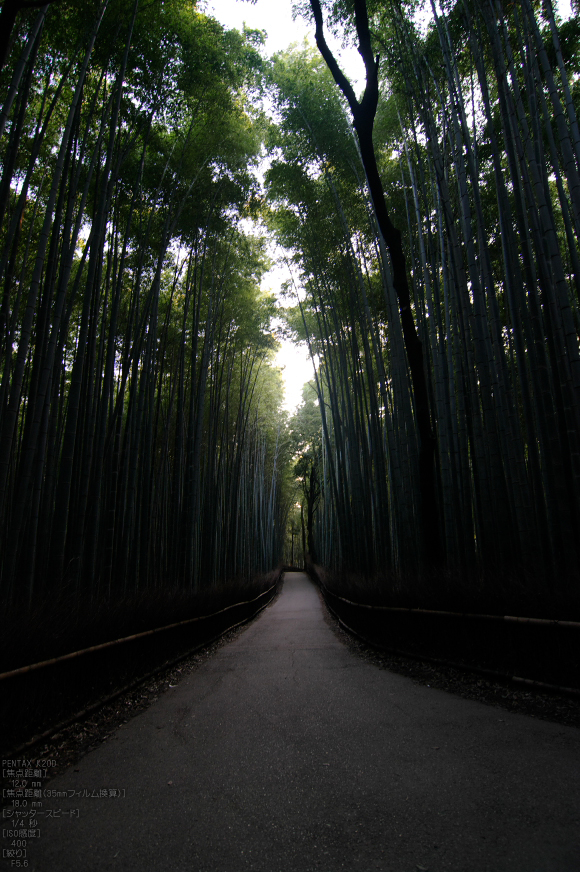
point(287, 753)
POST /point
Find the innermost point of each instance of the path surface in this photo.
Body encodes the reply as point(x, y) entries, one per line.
point(285, 752)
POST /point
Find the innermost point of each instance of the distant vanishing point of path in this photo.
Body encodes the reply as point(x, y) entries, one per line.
point(285, 752)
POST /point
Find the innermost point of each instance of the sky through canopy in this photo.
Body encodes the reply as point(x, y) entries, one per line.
point(282, 30)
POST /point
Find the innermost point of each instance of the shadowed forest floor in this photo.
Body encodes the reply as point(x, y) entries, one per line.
point(285, 751)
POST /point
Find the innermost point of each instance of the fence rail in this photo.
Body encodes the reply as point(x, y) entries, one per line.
point(408, 610)
point(50, 662)
point(534, 652)
point(38, 698)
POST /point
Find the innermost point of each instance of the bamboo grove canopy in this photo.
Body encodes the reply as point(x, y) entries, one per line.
point(142, 441)
point(140, 413)
point(477, 143)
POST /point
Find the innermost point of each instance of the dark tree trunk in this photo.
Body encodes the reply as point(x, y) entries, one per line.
point(303, 527)
point(363, 113)
point(313, 494)
point(8, 13)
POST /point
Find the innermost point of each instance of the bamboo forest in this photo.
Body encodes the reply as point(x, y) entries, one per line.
point(429, 226)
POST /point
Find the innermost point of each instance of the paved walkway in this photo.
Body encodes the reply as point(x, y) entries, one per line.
point(285, 752)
